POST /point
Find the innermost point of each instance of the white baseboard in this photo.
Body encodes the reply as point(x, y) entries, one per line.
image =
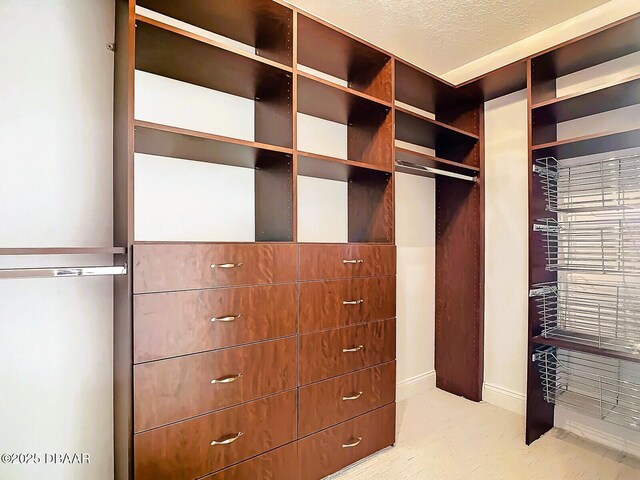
point(595, 430)
point(415, 385)
point(504, 398)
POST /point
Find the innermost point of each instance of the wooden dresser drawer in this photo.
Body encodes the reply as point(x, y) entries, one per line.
point(328, 451)
point(333, 401)
point(322, 261)
point(278, 464)
point(169, 267)
point(338, 303)
point(186, 450)
point(167, 391)
point(179, 323)
point(334, 352)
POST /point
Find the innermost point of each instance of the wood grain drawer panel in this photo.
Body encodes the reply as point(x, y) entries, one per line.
point(322, 356)
point(167, 391)
point(169, 267)
point(179, 323)
point(338, 303)
point(278, 464)
point(333, 401)
point(183, 451)
point(323, 262)
point(326, 452)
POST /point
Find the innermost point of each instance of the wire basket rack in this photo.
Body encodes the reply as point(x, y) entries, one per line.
point(605, 315)
point(601, 387)
point(606, 245)
point(613, 183)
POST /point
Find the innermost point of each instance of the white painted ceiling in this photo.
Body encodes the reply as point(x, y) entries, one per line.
point(440, 35)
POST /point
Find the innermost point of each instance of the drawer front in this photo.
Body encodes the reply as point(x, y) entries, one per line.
point(158, 268)
point(333, 401)
point(328, 451)
point(338, 303)
point(320, 262)
point(334, 352)
point(179, 323)
point(278, 464)
point(167, 391)
point(184, 451)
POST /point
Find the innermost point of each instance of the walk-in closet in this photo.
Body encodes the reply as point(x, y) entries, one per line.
point(348, 239)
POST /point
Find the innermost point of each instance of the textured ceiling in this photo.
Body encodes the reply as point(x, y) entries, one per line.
point(440, 35)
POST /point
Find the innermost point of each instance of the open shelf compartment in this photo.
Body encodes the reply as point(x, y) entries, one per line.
point(369, 123)
point(263, 24)
point(168, 52)
point(365, 68)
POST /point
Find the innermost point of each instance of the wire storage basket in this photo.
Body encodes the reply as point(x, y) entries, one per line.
point(605, 315)
point(613, 183)
point(601, 387)
point(600, 244)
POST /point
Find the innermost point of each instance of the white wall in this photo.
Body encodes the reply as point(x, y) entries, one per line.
point(55, 189)
point(506, 251)
point(415, 287)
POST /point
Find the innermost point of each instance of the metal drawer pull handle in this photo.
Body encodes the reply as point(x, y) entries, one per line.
point(355, 260)
point(227, 378)
point(352, 302)
point(354, 442)
point(354, 349)
point(228, 318)
point(352, 397)
point(226, 265)
point(228, 439)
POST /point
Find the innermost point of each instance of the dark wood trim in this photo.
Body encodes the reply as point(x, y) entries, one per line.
point(581, 347)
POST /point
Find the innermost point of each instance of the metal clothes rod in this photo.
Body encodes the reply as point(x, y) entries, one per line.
point(55, 272)
point(435, 171)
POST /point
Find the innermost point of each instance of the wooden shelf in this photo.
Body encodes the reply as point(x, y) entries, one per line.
point(497, 83)
point(605, 44)
point(324, 48)
point(407, 155)
point(589, 144)
point(603, 98)
point(63, 251)
point(331, 168)
point(579, 347)
point(167, 141)
point(170, 52)
point(323, 99)
point(414, 128)
point(423, 90)
point(263, 24)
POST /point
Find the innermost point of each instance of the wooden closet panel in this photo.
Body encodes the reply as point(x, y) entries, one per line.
point(179, 323)
point(183, 451)
point(337, 303)
point(278, 464)
point(328, 451)
point(167, 391)
point(320, 262)
point(326, 403)
point(322, 355)
point(168, 267)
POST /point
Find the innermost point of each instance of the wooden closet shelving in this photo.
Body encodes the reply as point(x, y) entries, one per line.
point(558, 328)
point(189, 303)
point(601, 98)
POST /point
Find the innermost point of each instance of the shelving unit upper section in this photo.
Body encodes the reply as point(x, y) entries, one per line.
point(263, 24)
point(603, 45)
point(365, 68)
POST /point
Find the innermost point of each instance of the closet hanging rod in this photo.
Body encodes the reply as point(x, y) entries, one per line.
point(62, 251)
point(435, 171)
point(55, 272)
